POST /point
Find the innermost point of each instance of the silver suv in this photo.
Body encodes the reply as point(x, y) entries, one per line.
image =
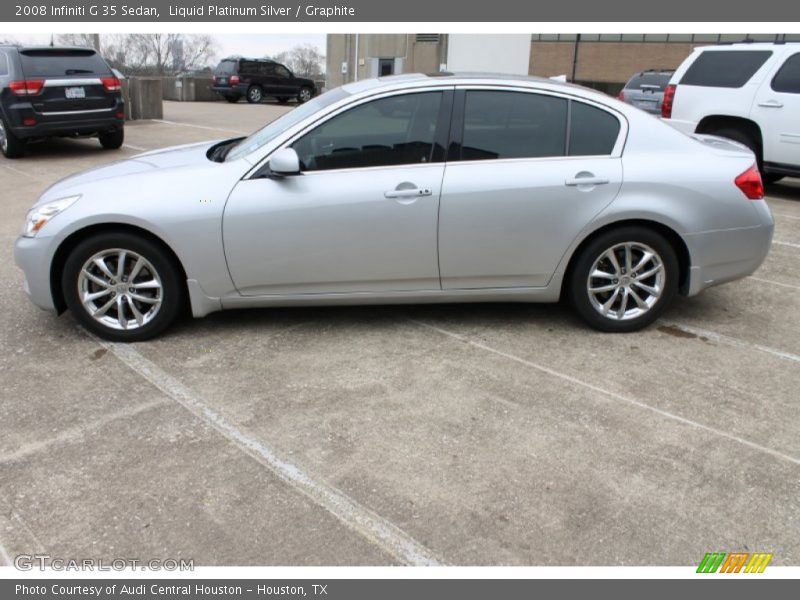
point(645, 90)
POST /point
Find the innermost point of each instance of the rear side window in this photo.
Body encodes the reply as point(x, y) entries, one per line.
point(725, 69)
point(788, 78)
point(226, 67)
point(592, 131)
point(58, 63)
point(250, 67)
point(3, 65)
point(649, 81)
point(513, 125)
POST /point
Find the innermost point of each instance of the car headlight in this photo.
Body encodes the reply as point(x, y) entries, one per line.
point(38, 216)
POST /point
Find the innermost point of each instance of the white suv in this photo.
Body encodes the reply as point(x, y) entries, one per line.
point(747, 92)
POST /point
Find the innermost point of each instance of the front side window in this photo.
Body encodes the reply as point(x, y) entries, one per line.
point(788, 78)
point(500, 124)
point(725, 68)
point(398, 130)
point(282, 71)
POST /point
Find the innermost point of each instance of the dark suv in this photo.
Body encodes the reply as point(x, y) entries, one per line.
point(50, 91)
point(258, 78)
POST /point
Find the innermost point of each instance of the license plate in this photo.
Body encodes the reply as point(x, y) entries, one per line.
point(75, 92)
point(223, 80)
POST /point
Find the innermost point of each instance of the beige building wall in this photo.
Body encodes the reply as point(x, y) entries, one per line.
point(609, 62)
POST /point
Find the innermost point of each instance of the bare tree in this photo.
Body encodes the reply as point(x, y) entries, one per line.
point(88, 40)
point(305, 60)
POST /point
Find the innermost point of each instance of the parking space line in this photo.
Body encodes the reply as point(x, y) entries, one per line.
point(611, 394)
point(21, 172)
point(348, 511)
point(786, 285)
point(76, 433)
point(208, 127)
point(785, 216)
point(5, 556)
point(132, 147)
point(782, 243)
point(725, 339)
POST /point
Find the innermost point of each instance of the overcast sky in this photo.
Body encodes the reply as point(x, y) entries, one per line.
point(248, 44)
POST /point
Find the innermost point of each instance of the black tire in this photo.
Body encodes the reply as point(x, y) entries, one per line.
point(162, 266)
point(232, 99)
point(305, 94)
point(10, 145)
point(255, 95)
point(579, 280)
point(112, 140)
point(743, 137)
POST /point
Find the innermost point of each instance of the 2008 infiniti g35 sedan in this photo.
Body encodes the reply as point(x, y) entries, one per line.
point(412, 188)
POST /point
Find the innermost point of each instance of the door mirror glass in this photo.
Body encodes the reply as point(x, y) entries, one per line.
point(284, 162)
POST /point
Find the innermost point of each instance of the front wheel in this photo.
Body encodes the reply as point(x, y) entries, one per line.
point(624, 279)
point(123, 287)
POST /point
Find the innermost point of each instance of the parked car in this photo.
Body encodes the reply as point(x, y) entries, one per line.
point(645, 90)
point(256, 79)
point(406, 189)
point(54, 91)
point(747, 92)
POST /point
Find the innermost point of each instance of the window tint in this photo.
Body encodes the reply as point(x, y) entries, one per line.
point(56, 62)
point(391, 131)
point(592, 131)
point(226, 67)
point(649, 81)
point(788, 78)
point(513, 125)
point(281, 71)
point(249, 67)
point(727, 69)
point(3, 65)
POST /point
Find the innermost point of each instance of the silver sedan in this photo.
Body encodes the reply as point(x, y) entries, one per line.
point(412, 188)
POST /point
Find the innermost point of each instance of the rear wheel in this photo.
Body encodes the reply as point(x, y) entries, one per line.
point(111, 140)
point(10, 145)
point(255, 94)
point(304, 95)
point(122, 287)
point(624, 279)
point(737, 135)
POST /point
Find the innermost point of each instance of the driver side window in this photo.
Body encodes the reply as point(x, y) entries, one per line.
point(398, 130)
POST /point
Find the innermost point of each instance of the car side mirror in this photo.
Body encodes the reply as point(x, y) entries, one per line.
point(284, 162)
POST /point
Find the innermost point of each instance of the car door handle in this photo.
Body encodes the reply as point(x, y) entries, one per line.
point(771, 104)
point(586, 180)
point(408, 193)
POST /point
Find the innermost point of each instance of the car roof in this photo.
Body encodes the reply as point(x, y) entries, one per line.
point(421, 80)
point(749, 45)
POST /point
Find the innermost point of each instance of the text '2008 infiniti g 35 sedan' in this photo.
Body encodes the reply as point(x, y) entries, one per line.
point(411, 188)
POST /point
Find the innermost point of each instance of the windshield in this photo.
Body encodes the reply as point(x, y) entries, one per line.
point(266, 134)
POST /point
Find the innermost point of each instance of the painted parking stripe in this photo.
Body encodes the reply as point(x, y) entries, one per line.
point(611, 394)
point(731, 341)
point(781, 284)
point(360, 519)
point(75, 434)
point(132, 147)
point(782, 243)
point(784, 215)
point(207, 127)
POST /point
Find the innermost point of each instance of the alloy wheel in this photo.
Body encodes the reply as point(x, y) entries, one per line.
point(305, 95)
point(626, 281)
point(120, 289)
point(3, 137)
point(255, 95)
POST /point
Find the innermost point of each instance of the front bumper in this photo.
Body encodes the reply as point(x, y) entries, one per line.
point(728, 254)
point(34, 257)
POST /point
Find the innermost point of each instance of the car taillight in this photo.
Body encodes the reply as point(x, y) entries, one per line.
point(112, 84)
point(669, 98)
point(234, 80)
point(27, 87)
point(621, 95)
point(750, 183)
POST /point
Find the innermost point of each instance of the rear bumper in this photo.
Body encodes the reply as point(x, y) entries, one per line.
point(227, 90)
point(66, 123)
point(729, 254)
